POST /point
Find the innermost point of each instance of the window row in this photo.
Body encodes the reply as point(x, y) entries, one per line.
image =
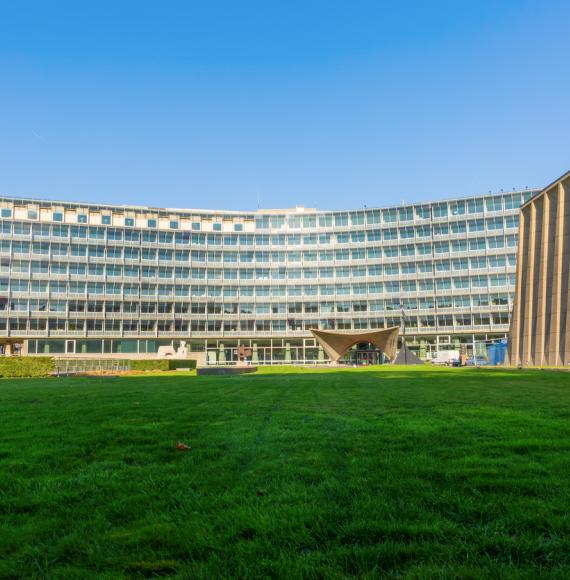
point(494, 224)
point(58, 250)
point(197, 325)
point(326, 307)
point(165, 290)
point(184, 273)
point(420, 212)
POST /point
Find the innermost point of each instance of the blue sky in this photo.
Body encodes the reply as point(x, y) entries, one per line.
point(214, 104)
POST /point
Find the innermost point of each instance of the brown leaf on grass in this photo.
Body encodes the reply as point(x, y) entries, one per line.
point(182, 446)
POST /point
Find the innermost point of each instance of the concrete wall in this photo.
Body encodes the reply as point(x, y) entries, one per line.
point(539, 333)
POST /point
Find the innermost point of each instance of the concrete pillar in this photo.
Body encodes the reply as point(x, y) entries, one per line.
point(529, 310)
point(288, 352)
point(556, 341)
point(542, 234)
point(514, 347)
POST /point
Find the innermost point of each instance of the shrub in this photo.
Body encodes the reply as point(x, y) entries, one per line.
point(163, 364)
point(26, 366)
point(149, 365)
point(174, 364)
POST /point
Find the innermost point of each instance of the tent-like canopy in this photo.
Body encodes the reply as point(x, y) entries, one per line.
point(337, 343)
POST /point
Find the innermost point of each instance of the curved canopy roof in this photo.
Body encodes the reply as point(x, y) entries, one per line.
point(337, 343)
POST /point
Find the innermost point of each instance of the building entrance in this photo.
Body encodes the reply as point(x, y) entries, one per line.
point(363, 354)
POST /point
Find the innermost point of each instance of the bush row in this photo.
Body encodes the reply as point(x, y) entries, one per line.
point(26, 366)
point(164, 364)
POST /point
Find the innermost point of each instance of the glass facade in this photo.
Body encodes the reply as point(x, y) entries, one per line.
point(88, 279)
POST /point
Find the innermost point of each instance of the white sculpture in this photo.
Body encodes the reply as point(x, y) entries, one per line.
point(169, 351)
point(182, 349)
point(165, 351)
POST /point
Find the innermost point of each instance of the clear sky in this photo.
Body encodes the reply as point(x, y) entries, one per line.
point(333, 104)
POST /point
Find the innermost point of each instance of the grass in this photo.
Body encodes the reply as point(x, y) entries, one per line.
point(392, 472)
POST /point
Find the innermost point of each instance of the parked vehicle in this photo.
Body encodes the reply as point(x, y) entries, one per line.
point(477, 361)
point(445, 357)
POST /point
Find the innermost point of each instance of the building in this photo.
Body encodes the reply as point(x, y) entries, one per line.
point(540, 331)
point(90, 280)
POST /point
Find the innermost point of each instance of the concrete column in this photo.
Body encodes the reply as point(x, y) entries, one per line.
point(288, 352)
point(564, 235)
point(553, 302)
point(514, 354)
point(529, 311)
point(538, 339)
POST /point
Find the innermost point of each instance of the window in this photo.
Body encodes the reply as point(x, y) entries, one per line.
point(106, 220)
point(217, 227)
point(494, 204)
point(512, 221)
point(325, 221)
point(407, 233)
point(238, 227)
point(406, 214)
point(474, 205)
point(457, 208)
point(57, 216)
point(6, 212)
point(423, 213)
point(81, 218)
point(440, 230)
point(357, 219)
point(21, 229)
point(513, 201)
point(129, 222)
point(476, 226)
point(151, 223)
point(458, 227)
point(495, 223)
point(440, 210)
point(173, 225)
point(196, 226)
point(97, 233)
point(32, 214)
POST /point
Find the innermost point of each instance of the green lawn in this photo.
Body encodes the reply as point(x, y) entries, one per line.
point(396, 472)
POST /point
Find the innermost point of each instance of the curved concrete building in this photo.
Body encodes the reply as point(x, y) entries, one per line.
point(83, 279)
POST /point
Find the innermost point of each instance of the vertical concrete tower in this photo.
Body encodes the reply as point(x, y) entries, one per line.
point(540, 332)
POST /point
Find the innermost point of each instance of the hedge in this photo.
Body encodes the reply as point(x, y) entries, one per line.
point(174, 364)
point(163, 364)
point(26, 366)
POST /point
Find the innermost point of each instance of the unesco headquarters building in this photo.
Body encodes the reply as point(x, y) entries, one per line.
point(88, 280)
